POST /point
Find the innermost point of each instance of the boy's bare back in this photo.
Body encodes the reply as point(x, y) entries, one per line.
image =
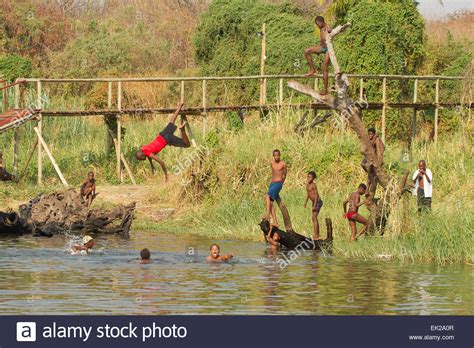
point(354, 200)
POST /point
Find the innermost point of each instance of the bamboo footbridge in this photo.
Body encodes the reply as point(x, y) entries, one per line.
point(19, 113)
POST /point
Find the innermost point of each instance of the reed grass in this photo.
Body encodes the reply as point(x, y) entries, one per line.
point(233, 175)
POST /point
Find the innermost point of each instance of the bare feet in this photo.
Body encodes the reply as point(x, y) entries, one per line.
point(311, 73)
point(324, 92)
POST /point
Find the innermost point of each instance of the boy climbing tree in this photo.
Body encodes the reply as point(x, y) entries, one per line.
point(166, 137)
point(324, 29)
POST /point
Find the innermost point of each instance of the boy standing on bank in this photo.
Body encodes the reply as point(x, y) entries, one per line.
point(313, 195)
point(279, 171)
point(422, 178)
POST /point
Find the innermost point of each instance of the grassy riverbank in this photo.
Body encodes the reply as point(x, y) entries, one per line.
point(217, 191)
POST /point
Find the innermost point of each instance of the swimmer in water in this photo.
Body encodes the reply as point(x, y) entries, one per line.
point(87, 245)
point(145, 256)
point(215, 254)
point(273, 238)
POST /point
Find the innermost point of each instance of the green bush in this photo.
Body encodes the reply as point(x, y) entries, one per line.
point(227, 42)
point(13, 66)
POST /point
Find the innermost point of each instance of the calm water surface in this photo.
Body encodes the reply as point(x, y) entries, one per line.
point(38, 276)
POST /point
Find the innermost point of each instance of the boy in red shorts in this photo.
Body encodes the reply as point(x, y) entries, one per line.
point(166, 137)
point(352, 214)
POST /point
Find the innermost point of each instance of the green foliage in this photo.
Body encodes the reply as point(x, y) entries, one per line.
point(101, 49)
point(234, 121)
point(227, 43)
point(13, 66)
point(385, 38)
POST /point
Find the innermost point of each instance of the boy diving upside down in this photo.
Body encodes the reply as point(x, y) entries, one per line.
point(166, 137)
point(324, 30)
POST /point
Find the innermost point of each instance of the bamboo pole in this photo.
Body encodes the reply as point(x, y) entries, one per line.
point(361, 89)
point(118, 148)
point(39, 133)
point(436, 111)
point(182, 91)
point(51, 158)
point(384, 107)
point(263, 81)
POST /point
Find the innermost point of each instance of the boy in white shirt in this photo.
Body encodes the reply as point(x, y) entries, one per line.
point(422, 178)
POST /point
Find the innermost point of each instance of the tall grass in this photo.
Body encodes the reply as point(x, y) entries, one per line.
point(233, 176)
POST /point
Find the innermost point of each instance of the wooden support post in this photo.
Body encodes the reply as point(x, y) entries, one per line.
point(204, 106)
point(413, 120)
point(436, 111)
point(16, 145)
point(384, 107)
point(127, 168)
point(30, 156)
point(51, 158)
point(204, 96)
point(109, 95)
point(39, 132)
point(316, 84)
point(189, 130)
point(118, 147)
point(263, 81)
point(361, 89)
point(124, 161)
point(182, 92)
point(280, 93)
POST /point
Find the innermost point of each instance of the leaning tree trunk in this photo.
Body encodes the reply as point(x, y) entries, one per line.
point(352, 112)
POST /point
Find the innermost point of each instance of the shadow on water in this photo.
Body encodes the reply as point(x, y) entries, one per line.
point(38, 276)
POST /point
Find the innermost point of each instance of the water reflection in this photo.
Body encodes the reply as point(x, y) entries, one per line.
point(37, 276)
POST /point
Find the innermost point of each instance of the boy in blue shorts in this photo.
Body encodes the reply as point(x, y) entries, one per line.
point(279, 171)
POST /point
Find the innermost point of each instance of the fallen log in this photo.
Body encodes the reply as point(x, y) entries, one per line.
point(292, 240)
point(65, 211)
point(12, 224)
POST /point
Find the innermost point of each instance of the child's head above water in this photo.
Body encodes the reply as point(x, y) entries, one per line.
point(215, 251)
point(88, 242)
point(145, 254)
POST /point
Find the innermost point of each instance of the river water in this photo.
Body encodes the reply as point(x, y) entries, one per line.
point(38, 276)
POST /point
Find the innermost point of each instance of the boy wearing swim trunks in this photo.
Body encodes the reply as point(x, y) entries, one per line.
point(279, 171)
point(324, 30)
point(351, 211)
point(313, 195)
point(166, 137)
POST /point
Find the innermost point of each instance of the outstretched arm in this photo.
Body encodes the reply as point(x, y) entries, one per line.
point(227, 257)
point(161, 163)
